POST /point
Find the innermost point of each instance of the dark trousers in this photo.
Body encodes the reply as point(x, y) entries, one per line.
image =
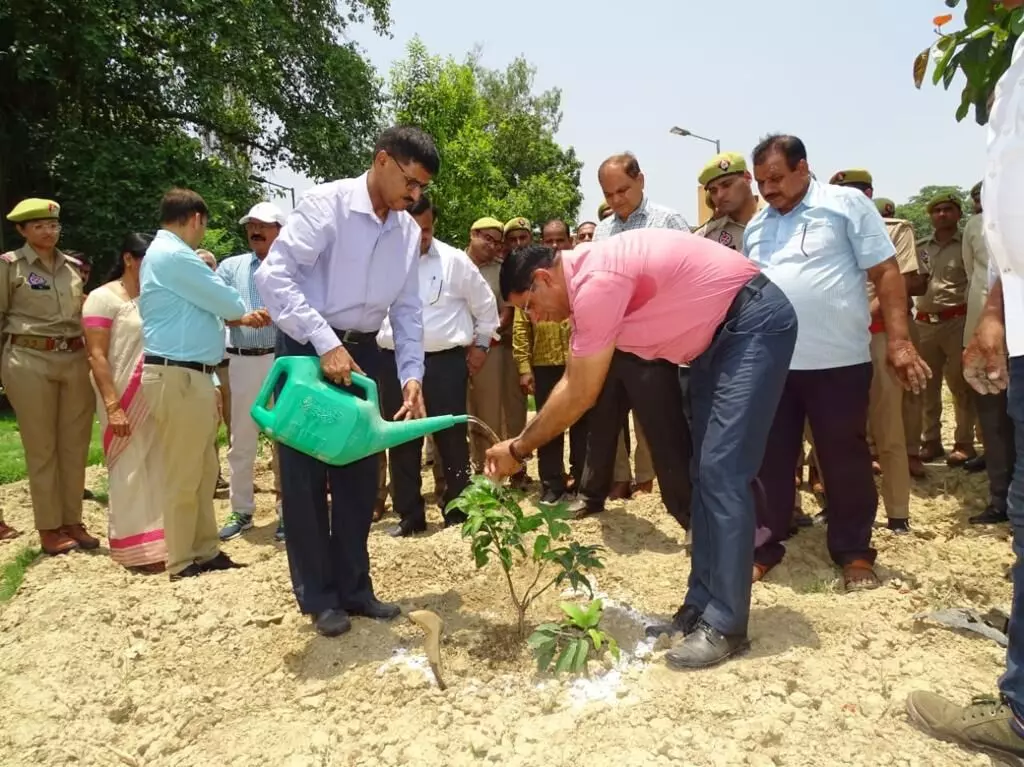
point(326, 544)
point(651, 389)
point(1011, 684)
point(734, 385)
point(1000, 449)
point(444, 393)
point(550, 457)
point(835, 402)
point(684, 385)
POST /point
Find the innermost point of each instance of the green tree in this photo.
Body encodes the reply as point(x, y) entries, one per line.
point(915, 210)
point(107, 103)
point(496, 139)
point(981, 51)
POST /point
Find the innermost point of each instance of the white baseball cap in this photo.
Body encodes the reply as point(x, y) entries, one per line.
point(266, 212)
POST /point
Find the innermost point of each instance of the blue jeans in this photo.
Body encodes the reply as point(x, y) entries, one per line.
point(1011, 684)
point(735, 387)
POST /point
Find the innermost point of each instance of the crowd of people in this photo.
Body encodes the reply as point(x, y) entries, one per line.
point(805, 311)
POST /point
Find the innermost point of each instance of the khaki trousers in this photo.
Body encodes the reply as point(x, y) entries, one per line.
point(913, 404)
point(55, 407)
point(941, 347)
point(183, 405)
point(496, 399)
point(641, 458)
point(885, 427)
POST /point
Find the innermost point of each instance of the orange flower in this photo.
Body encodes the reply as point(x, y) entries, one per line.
point(939, 21)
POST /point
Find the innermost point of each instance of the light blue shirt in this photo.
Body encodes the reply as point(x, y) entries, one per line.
point(335, 264)
point(817, 254)
point(240, 273)
point(182, 301)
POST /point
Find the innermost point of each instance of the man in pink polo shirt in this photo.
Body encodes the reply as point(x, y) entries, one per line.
point(668, 295)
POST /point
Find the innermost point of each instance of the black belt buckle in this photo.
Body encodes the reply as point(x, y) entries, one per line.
point(355, 336)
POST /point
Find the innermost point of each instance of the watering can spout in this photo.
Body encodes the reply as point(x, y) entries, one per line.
point(300, 409)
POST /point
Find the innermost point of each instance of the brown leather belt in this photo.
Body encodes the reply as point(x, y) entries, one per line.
point(48, 343)
point(942, 315)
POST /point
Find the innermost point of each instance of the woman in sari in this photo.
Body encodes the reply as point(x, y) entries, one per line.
point(113, 333)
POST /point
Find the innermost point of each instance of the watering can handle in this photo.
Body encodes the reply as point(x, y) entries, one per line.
point(369, 387)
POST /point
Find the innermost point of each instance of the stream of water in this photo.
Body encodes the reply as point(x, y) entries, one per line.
point(474, 421)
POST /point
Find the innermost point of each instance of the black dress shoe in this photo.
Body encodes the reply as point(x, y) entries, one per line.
point(898, 526)
point(382, 611)
point(683, 622)
point(332, 623)
point(454, 518)
point(189, 572)
point(704, 648)
point(976, 464)
point(408, 527)
point(990, 516)
point(220, 562)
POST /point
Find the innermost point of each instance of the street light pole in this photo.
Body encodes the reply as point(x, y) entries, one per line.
point(677, 131)
point(261, 180)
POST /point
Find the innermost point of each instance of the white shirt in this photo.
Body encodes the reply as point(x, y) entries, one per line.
point(458, 305)
point(1002, 195)
point(336, 265)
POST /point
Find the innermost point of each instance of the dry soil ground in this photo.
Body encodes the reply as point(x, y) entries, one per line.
point(100, 667)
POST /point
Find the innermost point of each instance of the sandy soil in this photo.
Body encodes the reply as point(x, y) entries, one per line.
point(100, 667)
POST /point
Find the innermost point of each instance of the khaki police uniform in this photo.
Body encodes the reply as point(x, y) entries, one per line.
point(940, 318)
point(494, 394)
point(45, 372)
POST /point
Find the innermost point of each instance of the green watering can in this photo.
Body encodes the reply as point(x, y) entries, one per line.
point(332, 425)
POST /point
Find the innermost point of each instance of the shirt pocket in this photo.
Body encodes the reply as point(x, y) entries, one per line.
point(815, 239)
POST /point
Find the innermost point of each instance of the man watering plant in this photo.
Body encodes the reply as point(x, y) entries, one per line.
point(346, 258)
point(668, 295)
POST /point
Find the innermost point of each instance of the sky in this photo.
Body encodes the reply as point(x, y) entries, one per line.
point(836, 73)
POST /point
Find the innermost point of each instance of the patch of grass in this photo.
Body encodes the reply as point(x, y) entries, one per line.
point(13, 573)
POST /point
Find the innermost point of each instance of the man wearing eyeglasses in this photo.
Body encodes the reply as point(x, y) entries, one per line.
point(459, 317)
point(346, 258)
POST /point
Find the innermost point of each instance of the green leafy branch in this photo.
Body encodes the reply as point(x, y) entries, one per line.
point(498, 527)
point(573, 640)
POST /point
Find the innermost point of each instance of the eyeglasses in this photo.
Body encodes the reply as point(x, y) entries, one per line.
point(46, 226)
point(494, 243)
point(411, 183)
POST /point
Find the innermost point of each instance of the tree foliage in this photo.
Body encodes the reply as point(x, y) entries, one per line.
point(496, 139)
point(981, 51)
point(107, 103)
point(915, 210)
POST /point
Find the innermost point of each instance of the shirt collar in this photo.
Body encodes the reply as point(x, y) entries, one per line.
point(360, 203)
point(31, 256)
point(811, 198)
point(167, 234)
point(931, 239)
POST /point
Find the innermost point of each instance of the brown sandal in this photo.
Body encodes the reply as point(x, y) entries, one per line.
point(8, 533)
point(760, 571)
point(859, 575)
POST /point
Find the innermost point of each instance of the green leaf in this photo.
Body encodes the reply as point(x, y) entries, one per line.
point(540, 546)
point(613, 648)
point(538, 638)
point(592, 615)
point(566, 658)
point(544, 654)
point(1017, 23)
point(575, 613)
point(506, 558)
point(481, 557)
point(596, 637)
point(579, 661)
point(949, 50)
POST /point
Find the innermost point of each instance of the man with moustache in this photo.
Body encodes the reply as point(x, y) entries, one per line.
point(585, 232)
point(251, 355)
point(346, 258)
point(727, 182)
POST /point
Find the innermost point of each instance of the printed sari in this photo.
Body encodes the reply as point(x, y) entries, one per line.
point(136, 526)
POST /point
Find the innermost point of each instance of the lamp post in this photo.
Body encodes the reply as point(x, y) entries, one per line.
point(261, 180)
point(677, 131)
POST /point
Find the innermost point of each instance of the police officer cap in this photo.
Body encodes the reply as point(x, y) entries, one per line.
point(885, 206)
point(939, 199)
point(976, 189)
point(851, 176)
point(602, 209)
point(487, 222)
point(33, 209)
point(724, 164)
point(517, 223)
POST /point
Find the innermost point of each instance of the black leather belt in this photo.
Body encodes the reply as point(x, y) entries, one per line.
point(751, 288)
point(153, 359)
point(355, 336)
point(250, 352)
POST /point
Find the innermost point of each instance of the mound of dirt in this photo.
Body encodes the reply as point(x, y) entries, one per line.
point(101, 667)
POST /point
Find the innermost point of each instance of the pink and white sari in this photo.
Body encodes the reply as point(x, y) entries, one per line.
point(136, 519)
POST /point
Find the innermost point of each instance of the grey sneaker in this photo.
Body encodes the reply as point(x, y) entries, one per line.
point(237, 524)
point(984, 725)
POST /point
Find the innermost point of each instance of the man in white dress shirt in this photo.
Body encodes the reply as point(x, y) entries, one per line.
point(347, 256)
point(251, 354)
point(995, 725)
point(460, 316)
